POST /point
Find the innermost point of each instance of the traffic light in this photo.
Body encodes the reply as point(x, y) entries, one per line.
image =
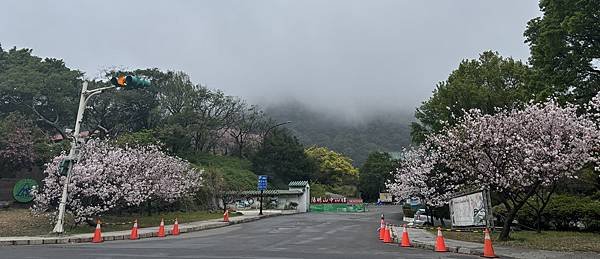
point(63, 167)
point(130, 82)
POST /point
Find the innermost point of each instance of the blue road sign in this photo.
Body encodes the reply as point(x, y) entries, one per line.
point(262, 182)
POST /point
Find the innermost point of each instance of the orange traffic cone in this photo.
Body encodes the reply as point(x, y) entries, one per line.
point(440, 245)
point(97, 234)
point(381, 228)
point(134, 231)
point(226, 216)
point(175, 230)
point(488, 249)
point(405, 239)
point(161, 228)
point(387, 237)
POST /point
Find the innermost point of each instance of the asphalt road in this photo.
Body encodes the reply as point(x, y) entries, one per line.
point(309, 235)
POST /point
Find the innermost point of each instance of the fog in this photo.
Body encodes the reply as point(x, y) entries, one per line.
point(349, 58)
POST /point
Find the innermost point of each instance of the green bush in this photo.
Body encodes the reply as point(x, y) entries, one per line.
point(565, 211)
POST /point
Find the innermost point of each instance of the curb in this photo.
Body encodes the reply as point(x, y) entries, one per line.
point(124, 235)
point(451, 249)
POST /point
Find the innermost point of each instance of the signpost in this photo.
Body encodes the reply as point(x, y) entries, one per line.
point(262, 185)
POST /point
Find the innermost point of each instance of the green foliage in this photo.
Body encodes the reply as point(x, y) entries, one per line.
point(142, 138)
point(565, 52)
point(563, 212)
point(333, 168)
point(487, 83)
point(282, 158)
point(373, 175)
point(43, 90)
point(334, 171)
point(322, 190)
point(318, 190)
point(236, 172)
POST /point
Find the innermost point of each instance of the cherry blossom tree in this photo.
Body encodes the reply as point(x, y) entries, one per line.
point(421, 175)
point(17, 147)
point(516, 152)
point(108, 178)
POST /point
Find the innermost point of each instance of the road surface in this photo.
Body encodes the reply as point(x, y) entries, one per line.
point(309, 235)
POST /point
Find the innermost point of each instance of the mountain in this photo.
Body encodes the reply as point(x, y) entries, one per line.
point(356, 138)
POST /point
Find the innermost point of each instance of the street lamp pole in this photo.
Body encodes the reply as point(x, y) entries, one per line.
point(74, 152)
point(261, 202)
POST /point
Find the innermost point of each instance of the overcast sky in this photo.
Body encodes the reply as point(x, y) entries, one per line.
point(350, 56)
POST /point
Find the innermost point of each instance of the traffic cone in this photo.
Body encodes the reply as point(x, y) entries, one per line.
point(440, 245)
point(134, 231)
point(97, 234)
point(405, 240)
point(226, 216)
point(387, 238)
point(175, 230)
point(161, 228)
point(381, 228)
point(488, 249)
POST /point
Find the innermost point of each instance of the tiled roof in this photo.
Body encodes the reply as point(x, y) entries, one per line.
point(298, 183)
point(273, 192)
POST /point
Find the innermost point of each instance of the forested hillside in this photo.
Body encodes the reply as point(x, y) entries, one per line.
point(355, 138)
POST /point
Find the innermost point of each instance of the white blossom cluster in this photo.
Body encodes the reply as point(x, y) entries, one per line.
point(417, 177)
point(513, 152)
point(108, 178)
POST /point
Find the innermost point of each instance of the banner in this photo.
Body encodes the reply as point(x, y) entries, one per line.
point(328, 200)
point(468, 210)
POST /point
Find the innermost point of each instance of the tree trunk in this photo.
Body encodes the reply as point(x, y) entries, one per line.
point(539, 221)
point(506, 226)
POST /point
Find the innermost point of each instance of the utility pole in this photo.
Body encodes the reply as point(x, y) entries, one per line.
point(74, 152)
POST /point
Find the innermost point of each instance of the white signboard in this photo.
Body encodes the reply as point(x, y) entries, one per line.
point(385, 197)
point(468, 210)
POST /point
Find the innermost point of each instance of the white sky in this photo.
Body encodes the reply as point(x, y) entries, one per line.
point(342, 56)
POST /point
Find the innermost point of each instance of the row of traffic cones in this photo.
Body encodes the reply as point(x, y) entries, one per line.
point(161, 229)
point(134, 231)
point(440, 244)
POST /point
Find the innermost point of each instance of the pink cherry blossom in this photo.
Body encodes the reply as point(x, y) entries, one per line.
point(108, 178)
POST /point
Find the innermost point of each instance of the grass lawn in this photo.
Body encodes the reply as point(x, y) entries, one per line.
point(547, 240)
point(20, 222)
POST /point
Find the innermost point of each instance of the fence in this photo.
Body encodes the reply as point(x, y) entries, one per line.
point(337, 207)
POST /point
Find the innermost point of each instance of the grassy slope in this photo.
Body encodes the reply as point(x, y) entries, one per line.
point(235, 170)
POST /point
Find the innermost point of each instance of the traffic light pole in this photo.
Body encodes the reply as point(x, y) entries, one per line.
point(74, 152)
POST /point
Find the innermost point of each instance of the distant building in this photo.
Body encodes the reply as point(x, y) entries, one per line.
point(297, 197)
